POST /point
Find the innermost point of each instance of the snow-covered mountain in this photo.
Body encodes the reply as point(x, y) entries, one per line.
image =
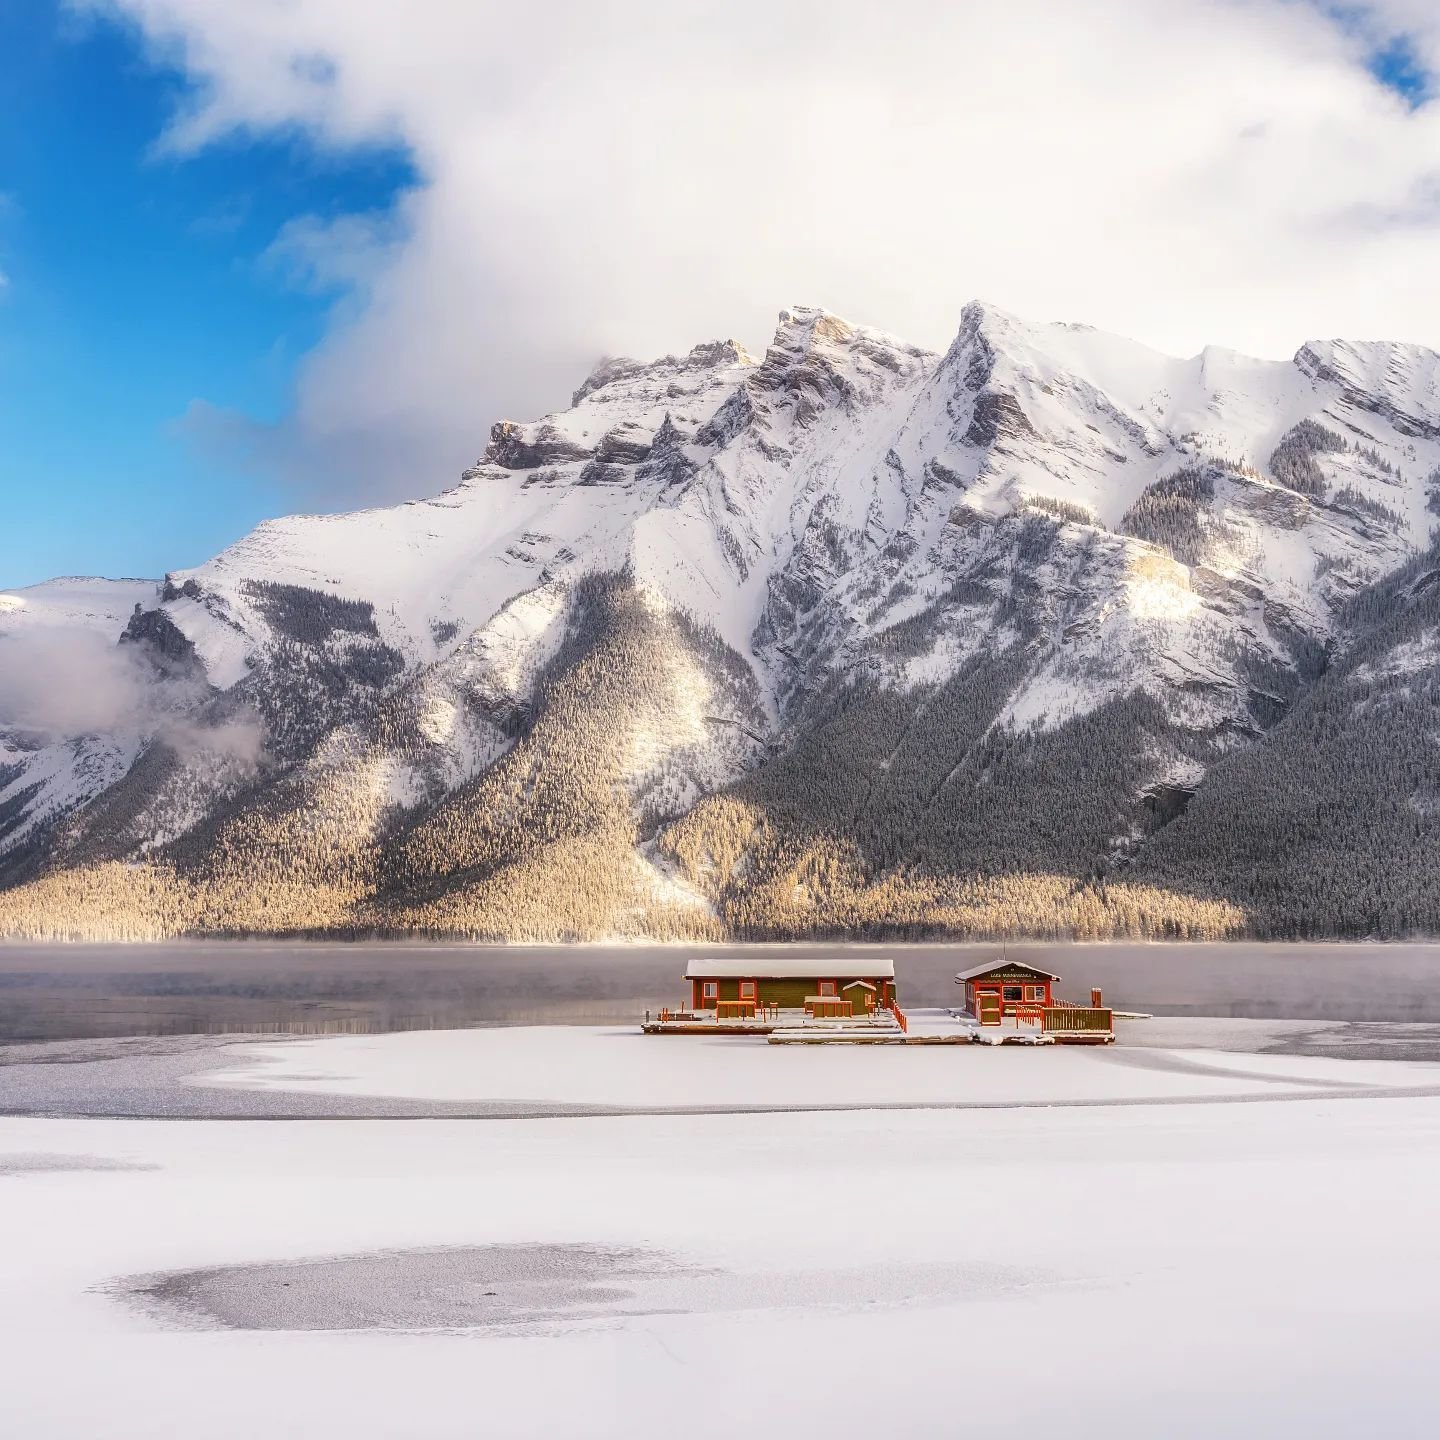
point(849, 637)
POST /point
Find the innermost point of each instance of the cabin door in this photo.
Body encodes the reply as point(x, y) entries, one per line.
point(987, 1007)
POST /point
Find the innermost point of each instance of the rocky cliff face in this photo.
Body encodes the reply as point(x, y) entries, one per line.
point(1049, 634)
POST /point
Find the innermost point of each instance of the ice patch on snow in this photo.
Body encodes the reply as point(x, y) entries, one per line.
point(535, 1288)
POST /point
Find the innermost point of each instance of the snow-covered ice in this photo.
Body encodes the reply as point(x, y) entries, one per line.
point(1230, 1265)
point(621, 1067)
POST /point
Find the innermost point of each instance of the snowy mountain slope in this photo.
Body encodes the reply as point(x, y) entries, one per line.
point(74, 603)
point(850, 636)
point(1349, 778)
point(547, 501)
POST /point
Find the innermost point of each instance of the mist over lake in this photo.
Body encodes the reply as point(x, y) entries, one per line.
point(60, 992)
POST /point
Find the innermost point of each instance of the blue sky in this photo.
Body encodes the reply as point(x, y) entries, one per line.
point(135, 283)
point(1399, 68)
point(1252, 174)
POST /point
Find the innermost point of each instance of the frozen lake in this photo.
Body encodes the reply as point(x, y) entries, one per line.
point(62, 992)
point(1134, 1221)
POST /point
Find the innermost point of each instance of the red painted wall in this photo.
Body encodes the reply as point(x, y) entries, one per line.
point(973, 988)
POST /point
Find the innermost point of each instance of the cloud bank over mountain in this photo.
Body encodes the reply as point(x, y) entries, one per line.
point(619, 179)
point(63, 683)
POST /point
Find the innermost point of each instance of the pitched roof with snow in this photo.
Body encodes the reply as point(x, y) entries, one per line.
point(789, 967)
point(991, 966)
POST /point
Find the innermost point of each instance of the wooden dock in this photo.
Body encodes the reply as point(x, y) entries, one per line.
point(861, 1033)
point(1060, 1024)
point(965, 1036)
point(709, 1027)
point(860, 1037)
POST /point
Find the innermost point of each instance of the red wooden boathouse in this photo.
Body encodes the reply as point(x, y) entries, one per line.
point(1024, 994)
point(821, 985)
point(1006, 988)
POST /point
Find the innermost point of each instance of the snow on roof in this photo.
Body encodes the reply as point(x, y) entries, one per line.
point(787, 967)
point(990, 966)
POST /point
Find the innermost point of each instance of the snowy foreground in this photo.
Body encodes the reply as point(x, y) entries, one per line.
point(1127, 1242)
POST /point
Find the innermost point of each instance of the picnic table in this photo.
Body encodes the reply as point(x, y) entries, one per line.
point(836, 1005)
point(744, 1009)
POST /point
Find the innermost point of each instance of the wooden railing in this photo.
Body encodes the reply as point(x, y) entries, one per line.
point(1018, 1010)
point(1072, 1019)
point(899, 1015)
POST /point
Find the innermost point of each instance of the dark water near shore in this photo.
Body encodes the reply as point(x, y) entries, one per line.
point(80, 991)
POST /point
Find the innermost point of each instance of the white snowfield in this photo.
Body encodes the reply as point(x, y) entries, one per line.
point(74, 603)
point(623, 1068)
point(1218, 1267)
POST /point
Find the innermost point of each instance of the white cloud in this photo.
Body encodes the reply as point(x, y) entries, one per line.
point(60, 682)
point(632, 178)
point(348, 253)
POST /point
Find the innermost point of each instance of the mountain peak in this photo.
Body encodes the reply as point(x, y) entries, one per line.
point(1398, 381)
point(816, 359)
point(708, 355)
point(713, 354)
point(979, 314)
point(804, 320)
point(799, 328)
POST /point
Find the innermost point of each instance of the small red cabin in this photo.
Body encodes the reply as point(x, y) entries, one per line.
point(1007, 989)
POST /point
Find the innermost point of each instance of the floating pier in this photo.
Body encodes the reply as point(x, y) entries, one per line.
point(850, 1000)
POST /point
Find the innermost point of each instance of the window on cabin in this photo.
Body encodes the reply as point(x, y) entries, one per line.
point(827, 987)
point(1011, 993)
point(1035, 992)
point(712, 990)
point(747, 989)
